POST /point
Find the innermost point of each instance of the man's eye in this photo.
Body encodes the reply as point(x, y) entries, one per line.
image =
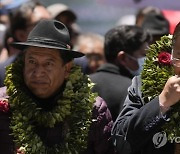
point(49, 63)
point(32, 62)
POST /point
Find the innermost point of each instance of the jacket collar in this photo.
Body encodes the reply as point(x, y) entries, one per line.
point(111, 68)
point(108, 67)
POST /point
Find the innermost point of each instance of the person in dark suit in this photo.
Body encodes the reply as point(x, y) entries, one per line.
point(124, 51)
point(153, 20)
point(142, 120)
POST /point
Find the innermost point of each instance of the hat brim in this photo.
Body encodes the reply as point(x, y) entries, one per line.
point(23, 45)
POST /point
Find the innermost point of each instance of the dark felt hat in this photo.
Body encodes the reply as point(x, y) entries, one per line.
point(49, 34)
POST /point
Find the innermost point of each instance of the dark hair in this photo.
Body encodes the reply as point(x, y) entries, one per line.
point(176, 33)
point(142, 12)
point(125, 38)
point(20, 17)
point(65, 57)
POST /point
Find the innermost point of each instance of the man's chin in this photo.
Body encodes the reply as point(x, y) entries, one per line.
point(40, 93)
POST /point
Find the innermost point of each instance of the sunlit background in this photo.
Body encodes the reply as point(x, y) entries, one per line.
point(100, 15)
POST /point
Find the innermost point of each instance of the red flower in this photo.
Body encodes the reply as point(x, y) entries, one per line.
point(4, 105)
point(164, 58)
point(20, 150)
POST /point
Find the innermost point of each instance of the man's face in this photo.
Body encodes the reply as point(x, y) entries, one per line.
point(131, 61)
point(94, 52)
point(176, 54)
point(44, 71)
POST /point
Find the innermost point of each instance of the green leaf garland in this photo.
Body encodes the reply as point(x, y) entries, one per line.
point(74, 109)
point(154, 76)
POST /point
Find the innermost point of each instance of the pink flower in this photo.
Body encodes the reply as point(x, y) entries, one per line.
point(164, 58)
point(4, 105)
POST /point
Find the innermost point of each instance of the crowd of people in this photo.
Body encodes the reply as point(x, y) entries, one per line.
point(67, 91)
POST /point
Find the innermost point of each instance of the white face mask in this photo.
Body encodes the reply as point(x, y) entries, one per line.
point(140, 64)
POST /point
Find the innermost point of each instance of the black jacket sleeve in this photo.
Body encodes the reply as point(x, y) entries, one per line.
point(6, 140)
point(137, 122)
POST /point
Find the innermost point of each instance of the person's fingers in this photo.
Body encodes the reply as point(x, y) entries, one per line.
point(178, 89)
point(176, 85)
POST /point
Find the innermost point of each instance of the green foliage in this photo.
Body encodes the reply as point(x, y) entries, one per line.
point(154, 74)
point(154, 77)
point(73, 109)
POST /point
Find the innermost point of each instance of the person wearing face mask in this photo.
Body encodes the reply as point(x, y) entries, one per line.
point(149, 122)
point(129, 44)
point(124, 50)
point(140, 62)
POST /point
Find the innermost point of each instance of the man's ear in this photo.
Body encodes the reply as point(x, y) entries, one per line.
point(68, 67)
point(121, 57)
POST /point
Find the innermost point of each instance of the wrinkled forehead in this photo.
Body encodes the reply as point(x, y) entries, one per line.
point(43, 52)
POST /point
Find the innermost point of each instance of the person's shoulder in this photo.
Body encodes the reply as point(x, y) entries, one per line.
point(8, 61)
point(137, 81)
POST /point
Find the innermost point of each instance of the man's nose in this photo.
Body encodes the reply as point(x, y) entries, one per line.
point(38, 71)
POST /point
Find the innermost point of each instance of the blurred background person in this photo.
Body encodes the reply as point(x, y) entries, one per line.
point(125, 51)
point(144, 11)
point(152, 19)
point(4, 24)
point(11, 5)
point(100, 15)
point(3, 53)
point(22, 22)
point(126, 47)
point(92, 45)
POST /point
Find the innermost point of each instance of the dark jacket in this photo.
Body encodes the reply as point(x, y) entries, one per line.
point(99, 141)
point(111, 86)
point(125, 72)
point(137, 124)
point(83, 62)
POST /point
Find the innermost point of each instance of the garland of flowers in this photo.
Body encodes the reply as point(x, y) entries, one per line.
point(156, 71)
point(74, 108)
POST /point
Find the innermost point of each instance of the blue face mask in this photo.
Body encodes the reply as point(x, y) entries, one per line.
point(140, 63)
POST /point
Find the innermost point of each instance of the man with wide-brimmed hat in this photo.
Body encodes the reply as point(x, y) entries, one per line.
point(22, 21)
point(47, 105)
